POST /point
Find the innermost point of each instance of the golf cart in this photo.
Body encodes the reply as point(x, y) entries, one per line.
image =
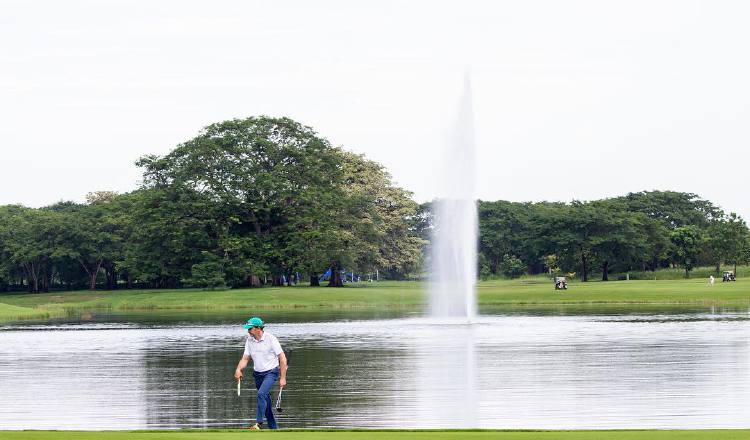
point(728, 276)
point(561, 283)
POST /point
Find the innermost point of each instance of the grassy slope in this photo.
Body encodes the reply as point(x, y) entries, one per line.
point(9, 312)
point(387, 295)
point(362, 435)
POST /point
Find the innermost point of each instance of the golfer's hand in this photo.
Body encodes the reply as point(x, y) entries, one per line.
point(282, 382)
point(238, 374)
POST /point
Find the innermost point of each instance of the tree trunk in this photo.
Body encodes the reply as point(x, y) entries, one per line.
point(45, 269)
point(605, 269)
point(107, 279)
point(111, 275)
point(93, 275)
point(47, 280)
point(584, 268)
point(687, 273)
point(314, 280)
point(254, 281)
point(335, 280)
point(718, 268)
point(51, 281)
point(33, 277)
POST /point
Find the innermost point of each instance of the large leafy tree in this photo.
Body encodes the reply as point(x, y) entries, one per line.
point(32, 239)
point(726, 238)
point(10, 228)
point(617, 241)
point(278, 198)
point(96, 234)
point(383, 225)
point(687, 242)
point(673, 208)
point(504, 230)
point(273, 184)
point(584, 235)
point(167, 230)
point(571, 232)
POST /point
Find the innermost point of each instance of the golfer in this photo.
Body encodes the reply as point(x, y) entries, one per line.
point(269, 364)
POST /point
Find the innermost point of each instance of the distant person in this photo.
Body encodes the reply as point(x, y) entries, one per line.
point(269, 364)
point(711, 280)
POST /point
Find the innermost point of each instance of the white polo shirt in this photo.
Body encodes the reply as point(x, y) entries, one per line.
point(265, 353)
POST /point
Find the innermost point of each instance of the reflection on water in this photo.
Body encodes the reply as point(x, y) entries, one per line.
point(565, 372)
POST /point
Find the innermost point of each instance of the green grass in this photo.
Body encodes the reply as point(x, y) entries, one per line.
point(13, 313)
point(670, 292)
point(679, 274)
point(365, 434)
point(384, 296)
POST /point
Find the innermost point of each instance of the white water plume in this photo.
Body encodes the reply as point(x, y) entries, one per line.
point(454, 238)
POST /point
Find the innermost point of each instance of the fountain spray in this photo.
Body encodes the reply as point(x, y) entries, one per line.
point(454, 239)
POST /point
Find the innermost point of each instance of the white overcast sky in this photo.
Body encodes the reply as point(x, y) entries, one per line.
point(572, 99)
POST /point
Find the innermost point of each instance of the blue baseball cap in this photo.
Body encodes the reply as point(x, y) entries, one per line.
point(253, 322)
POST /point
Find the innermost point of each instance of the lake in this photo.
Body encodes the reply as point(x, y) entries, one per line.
point(507, 370)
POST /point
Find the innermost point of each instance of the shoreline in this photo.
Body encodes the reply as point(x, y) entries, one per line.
point(385, 297)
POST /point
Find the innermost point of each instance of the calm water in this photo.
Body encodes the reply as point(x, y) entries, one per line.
point(688, 370)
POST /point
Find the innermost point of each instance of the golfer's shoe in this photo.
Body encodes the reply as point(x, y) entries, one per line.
point(255, 427)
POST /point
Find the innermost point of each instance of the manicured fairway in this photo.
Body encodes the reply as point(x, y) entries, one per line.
point(377, 296)
point(377, 435)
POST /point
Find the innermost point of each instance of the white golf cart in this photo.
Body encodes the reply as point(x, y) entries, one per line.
point(561, 283)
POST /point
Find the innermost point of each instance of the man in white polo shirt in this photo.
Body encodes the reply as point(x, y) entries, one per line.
point(269, 364)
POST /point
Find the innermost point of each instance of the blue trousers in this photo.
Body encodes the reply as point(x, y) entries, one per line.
point(263, 382)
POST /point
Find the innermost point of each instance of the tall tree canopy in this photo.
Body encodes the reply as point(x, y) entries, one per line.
point(284, 200)
point(640, 231)
point(267, 199)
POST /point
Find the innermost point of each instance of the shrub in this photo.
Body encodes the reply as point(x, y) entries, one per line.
point(512, 266)
point(207, 274)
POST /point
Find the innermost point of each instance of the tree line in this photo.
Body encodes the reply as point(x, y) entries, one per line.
point(643, 231)
point(264, 200)
point(244, 203)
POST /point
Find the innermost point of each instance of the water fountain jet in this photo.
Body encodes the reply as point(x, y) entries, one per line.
point(454, 239)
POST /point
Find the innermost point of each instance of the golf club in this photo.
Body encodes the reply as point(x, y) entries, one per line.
point(239, 386)
point(281, 389)
point(278, 400)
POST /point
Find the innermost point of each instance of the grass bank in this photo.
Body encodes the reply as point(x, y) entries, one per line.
point(654, 292)
point(679, 274)
point(10, 313)
point(672, 273)
point(526, 292)
point(395, 434)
